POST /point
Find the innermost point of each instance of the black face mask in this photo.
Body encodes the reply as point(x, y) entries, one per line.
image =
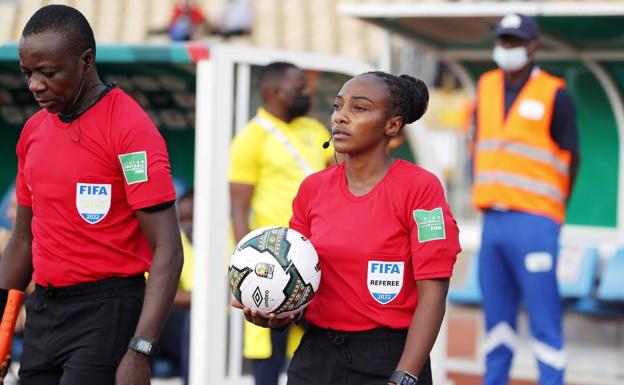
point(300, 107)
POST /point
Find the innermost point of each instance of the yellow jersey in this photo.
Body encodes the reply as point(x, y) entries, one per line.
point(260, 159)
point(186, 277)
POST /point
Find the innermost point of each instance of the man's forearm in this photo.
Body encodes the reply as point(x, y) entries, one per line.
point(240, 200)
point(16, 264)
point(240, 219)
point(182, 299)
point(160, 290)
point(241, 226)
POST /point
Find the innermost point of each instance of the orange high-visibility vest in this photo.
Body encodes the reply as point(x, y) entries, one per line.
point(517, 165)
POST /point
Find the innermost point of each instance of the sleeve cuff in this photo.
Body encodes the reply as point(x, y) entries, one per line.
point(241, 179)
point(23, 202)
point(153, 201)
point(434, 275)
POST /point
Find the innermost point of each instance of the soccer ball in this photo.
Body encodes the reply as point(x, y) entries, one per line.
point(274, 270)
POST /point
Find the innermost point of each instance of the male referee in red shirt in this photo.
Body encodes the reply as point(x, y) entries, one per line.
point(95, 212)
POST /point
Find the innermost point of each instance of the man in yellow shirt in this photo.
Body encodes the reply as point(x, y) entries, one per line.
point(277, 149)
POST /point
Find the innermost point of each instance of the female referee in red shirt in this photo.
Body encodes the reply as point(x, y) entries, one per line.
point(387, 243)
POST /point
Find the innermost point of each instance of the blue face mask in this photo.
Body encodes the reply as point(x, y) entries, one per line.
point(510, 59)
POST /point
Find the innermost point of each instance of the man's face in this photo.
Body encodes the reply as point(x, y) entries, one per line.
point(293, 85)
point(52, 72)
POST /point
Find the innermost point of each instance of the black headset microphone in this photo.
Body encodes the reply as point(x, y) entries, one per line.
point(326, 143)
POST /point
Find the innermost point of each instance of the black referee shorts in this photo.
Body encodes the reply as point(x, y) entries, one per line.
point(77, 335)
point(327, 357)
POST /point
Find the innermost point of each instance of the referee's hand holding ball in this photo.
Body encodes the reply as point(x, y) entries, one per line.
point(256, 318)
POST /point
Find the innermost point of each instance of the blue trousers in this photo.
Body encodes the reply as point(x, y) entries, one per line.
point(517, 262)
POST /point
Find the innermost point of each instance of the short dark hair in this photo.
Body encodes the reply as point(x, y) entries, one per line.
point(65, 20)
point(274, 71)
point(409, 97)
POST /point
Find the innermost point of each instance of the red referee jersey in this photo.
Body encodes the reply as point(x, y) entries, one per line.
point(373, 247)
point(84, 180)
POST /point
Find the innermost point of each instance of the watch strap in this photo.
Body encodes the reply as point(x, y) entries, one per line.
point(401, 377)
point(144, 346)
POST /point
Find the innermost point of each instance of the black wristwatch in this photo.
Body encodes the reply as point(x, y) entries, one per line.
point(144, 346)
point(400, 377)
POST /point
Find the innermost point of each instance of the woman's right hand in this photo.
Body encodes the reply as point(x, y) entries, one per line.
point(256, 318)
point(4, 369)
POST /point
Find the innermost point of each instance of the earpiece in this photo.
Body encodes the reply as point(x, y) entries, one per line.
point(87, 62)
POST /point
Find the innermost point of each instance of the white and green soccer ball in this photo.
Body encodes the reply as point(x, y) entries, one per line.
point(274, 270)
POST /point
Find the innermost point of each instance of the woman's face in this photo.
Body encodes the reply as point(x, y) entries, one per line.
point(360, 120)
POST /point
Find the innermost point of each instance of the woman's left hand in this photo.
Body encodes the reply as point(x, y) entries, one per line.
point(256, 318)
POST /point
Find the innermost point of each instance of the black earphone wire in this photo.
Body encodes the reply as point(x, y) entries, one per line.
point(77, 140)
point(84, 76)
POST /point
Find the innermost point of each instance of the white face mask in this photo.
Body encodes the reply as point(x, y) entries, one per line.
point(510, 59)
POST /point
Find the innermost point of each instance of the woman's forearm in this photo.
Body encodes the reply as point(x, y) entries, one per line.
point(425, 325)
